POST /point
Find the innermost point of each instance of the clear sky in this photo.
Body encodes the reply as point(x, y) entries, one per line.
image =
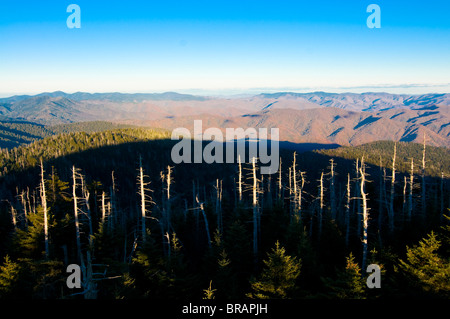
point(224, 46)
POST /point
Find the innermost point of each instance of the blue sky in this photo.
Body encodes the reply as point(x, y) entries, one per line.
point(224, 47)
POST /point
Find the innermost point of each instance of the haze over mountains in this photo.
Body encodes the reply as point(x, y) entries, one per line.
point(345, 119)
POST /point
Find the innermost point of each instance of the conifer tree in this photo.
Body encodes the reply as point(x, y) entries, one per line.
point(425, 268)
point(278, 277)
point(348, 284)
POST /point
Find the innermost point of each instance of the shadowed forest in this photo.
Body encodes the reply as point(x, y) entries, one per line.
point(140, 226)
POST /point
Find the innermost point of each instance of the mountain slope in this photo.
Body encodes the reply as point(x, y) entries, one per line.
point(345, 119)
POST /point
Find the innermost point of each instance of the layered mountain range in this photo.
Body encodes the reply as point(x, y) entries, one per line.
point(319, 117)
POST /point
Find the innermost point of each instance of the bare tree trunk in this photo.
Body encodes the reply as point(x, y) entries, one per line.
point(103, 208)
point(405, 186)
point(206, 221)
point(86, 196)
point(365, 214)
point(291, 192)
point(280, 184)
point(358, 200)
point(112, 216)
point(13, 216)
point(255, 209)
point(320, 217)
point(75, 209)
point(411, 186)
point(300, 192)
point(294, 182)
point(168, 208)
point(380, 198)
point(332, 192)
point(24, 205)
point(219, 205)
point(142, 194)
point(392, 194)
point(347, 212)
point(44, 208)
point(240, 179)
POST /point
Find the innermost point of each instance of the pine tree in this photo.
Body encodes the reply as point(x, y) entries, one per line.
point(278, 278)
point(425, 268)
point(348, 284)
point(9, 278)
point(209, 293)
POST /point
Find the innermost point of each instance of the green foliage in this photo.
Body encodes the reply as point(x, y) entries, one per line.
point(150, 270)
point(278, 278)
point(9, 277)
point(14, 134)
point(25, 278)
point(23, 157)
point(209, 293)
point(348, 284)
point(425, 268)
point(437, 158)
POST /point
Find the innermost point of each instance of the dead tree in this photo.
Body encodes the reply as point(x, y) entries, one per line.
point(300, 193)
point(294, 182)
point(255, 209)
point(89, 285)
point(365, 210)
point(410, 195)
point(112, 215)
point(219, 205)
point(44, 208)
point(280, 184)
point(392, 193)
point(347, 212)
point(381, 196)
point(405, 186)
point(332, 191)
point(320, 215)
point(13, 216)
point(205, 219)
point(169, 181)
point(103, 208)
point(358, 199)
point(24, 206)
point(240, 179)
point(144, 198)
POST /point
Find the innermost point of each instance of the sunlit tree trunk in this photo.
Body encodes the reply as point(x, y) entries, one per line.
point(44, 208)
point(332, 192)
point(347, 212)
point(411, 186)
point(365, 214)
point(392, 193)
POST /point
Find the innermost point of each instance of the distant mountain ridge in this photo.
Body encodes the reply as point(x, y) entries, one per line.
point(317, 117)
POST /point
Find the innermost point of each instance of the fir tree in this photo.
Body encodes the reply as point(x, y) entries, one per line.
point(425, 269)
point(348, 283)
point(278, 278)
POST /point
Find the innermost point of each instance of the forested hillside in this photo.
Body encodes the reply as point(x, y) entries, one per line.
point(140, 226)
point(17, 133)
